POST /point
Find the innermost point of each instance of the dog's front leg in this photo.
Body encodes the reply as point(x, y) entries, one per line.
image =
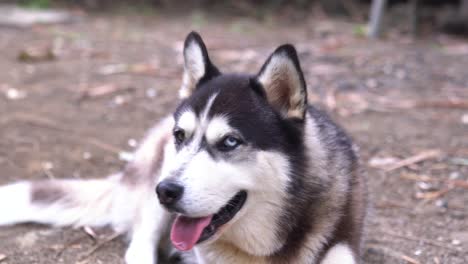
point(147, 231)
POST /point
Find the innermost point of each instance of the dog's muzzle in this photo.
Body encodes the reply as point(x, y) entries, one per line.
point(169, 193)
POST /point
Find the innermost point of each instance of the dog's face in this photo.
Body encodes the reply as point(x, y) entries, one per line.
point(230, 137)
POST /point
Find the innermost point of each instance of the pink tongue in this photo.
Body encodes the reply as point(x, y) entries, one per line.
point(186, 231)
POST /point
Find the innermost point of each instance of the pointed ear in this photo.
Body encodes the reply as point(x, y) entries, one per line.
point(197, 65)
point(282, 79)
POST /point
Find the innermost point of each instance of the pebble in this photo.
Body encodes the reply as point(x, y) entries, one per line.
point(425, 186)
point(119, 100)
point(441, 203)
point(87, 155)
point(126, 156)
point(371, 83)
point(388, 69)
point(456, 242)
point(47, 165)
point(400, 74)
point(454, 175)
point(15, 94)
point(132, 142)
point(464, 119)
point(151, 93)
point(417, 252)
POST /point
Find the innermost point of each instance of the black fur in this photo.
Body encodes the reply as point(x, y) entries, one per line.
point(262, 126)
point(210, 70)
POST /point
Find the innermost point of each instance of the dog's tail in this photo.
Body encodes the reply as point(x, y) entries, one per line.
point(60, 202)
point(113, 201)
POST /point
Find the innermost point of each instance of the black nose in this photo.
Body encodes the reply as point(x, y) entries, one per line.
point(169, 192)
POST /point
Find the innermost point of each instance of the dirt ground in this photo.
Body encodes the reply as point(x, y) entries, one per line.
point(112, 76)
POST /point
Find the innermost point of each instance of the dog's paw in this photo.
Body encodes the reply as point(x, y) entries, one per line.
point(140, 255)
point(340, 253)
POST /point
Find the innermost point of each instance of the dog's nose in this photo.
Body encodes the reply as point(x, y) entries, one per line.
point(169, 192)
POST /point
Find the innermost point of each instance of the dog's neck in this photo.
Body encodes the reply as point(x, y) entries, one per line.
point(227, 253)
point(224, 252)
point(261, 245)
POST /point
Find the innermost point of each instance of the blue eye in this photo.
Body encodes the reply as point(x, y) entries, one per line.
point(229, 143)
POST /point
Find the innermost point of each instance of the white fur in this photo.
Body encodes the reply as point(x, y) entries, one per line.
point(217, 128)
point(188, 122)
point(128, 208)
point(15, 203)
point(209, 184)
point(149, 226)
point(72, 210)
point(339, 254)
point(194, 69)
point(204, 114)
point(266, 178)
point(187, 153)
point(131, 207)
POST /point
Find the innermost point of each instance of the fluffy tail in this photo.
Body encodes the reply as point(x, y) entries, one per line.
point(59, 202)
point(113, 201)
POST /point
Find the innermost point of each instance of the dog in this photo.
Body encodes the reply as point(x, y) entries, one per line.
point(245, 171)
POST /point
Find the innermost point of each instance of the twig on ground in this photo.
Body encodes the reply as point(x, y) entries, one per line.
point(425, 178)
point(390, 204)
point(416, 177)
point(460, 183)
point(139, 69)
point(459, 161)
point(102, 91)
point(410, 259)
point(69, 245)
point(423, 240)
point(51, 124)
point(425, 155)
point(451, 184)
point(458, 104)
point(443, 104)
point(100, 144)
point(33, 120)
point(393, 253)
point(85, 258)
point(90, 233)
point(435, 194)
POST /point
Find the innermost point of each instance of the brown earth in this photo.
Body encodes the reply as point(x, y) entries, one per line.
point(55, 131)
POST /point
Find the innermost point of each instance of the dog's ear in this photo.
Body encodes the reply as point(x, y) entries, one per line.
point(283, 81)
point(197, 65)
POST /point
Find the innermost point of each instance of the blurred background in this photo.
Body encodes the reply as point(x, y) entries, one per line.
point(81, 81)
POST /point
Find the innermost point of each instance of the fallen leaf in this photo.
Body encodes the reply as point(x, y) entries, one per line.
point(37, 54)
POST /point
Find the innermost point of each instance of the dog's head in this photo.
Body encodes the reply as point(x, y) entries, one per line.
point(228, 170)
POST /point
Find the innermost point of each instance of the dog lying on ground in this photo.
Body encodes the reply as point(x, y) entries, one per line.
point(245, 171)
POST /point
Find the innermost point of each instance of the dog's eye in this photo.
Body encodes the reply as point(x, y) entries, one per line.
point(229, 143)
point(179, 135)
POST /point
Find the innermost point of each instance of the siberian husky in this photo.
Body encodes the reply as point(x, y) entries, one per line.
point(245, 171)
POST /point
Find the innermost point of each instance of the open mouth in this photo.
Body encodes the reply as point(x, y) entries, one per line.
point(187, 231)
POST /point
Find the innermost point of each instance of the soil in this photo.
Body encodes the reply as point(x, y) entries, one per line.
point(56, 131)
